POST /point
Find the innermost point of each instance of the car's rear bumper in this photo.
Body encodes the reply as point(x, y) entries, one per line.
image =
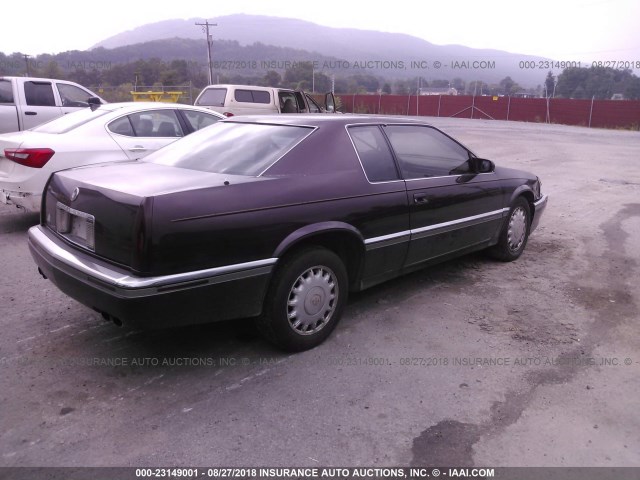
point(232, 291)
point(539, 208)
point(28, 201)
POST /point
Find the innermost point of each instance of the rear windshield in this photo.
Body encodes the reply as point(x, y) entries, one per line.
point(212, 97)
point(232, 148)
point(6, 91)
point(70, 121)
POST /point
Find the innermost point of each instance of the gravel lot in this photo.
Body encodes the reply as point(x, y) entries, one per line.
point(473, 362)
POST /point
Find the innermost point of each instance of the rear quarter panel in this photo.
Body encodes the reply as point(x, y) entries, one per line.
point(315, 183)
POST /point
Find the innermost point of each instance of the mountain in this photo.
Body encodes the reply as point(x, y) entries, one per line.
point(389, 54)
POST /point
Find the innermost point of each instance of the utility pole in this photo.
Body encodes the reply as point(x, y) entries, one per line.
point(26, 61)
point(205, 28)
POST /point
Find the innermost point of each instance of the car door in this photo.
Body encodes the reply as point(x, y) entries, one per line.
point(387, 234)
point(39, 103)
point(141, 133)
point(451, 206)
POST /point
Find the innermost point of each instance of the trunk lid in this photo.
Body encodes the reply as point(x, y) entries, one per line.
point(107, 209)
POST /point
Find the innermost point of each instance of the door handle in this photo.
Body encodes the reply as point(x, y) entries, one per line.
point(137, 148)
point(420, 198)
point(30, 113)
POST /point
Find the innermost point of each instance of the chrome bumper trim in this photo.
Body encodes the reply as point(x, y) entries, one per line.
point(542, 201)
point(119, 278)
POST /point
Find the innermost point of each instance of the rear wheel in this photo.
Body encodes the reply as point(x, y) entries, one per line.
point(515, 232)
point(305, 300)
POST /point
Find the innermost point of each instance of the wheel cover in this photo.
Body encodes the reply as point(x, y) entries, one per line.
point(517, 229)
point(312, 300)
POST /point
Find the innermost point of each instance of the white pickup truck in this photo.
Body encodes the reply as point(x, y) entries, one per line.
point(26, 102)
point(233, 100)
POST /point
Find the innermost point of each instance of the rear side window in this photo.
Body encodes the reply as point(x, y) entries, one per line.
point(213, 97)
point(6, 92)
point(122, 126)
point(198, 120)
point(156, 123)
point(374, 153)
point(39, 94)
point(252, 96)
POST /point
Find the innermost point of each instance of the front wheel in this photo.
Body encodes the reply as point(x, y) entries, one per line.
point(305, 300)
point(515, 232)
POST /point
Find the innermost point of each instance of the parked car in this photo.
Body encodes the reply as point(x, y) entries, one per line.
point(26, 102)
point(280, 226)
point(233, 100)
point(104, 133)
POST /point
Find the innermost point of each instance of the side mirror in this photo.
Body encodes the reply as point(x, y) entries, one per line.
point(94, 102)
point(329, 103)
point(481, 165)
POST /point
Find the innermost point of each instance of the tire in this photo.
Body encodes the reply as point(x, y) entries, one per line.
point(305, 299)
point(515, 232)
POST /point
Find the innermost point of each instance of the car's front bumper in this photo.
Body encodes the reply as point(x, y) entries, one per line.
point(539, 207)
point(233, 291)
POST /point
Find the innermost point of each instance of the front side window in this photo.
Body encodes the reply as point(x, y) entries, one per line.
point(39, 94)
point(374, 153)
point(232, 148)
point(212, 97)
point(426, 152)
point(73, 96)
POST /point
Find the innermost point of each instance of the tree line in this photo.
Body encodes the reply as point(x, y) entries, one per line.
point(118, 78)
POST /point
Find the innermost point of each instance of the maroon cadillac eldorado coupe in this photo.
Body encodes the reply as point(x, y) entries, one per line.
point(275, 217)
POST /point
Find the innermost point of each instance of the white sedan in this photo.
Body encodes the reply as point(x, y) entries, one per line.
point(105, 133)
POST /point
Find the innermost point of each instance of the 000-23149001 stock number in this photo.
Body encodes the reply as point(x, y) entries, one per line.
point(547, 64)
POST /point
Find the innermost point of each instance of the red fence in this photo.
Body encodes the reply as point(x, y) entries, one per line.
point(589, 113)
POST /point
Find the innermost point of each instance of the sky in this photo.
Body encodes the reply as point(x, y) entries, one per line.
point(587, 30)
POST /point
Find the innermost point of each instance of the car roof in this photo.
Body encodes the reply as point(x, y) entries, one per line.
point(318, 119)
point(244, 87)
point(124, 107)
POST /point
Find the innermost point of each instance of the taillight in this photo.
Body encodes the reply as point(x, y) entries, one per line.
point(228, 114)
point(29, 157)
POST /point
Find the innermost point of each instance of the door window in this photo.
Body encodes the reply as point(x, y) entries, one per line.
point(73, 96)
point(288, 102)
point(426, 152)
point(39, 94)
point(156, 123)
